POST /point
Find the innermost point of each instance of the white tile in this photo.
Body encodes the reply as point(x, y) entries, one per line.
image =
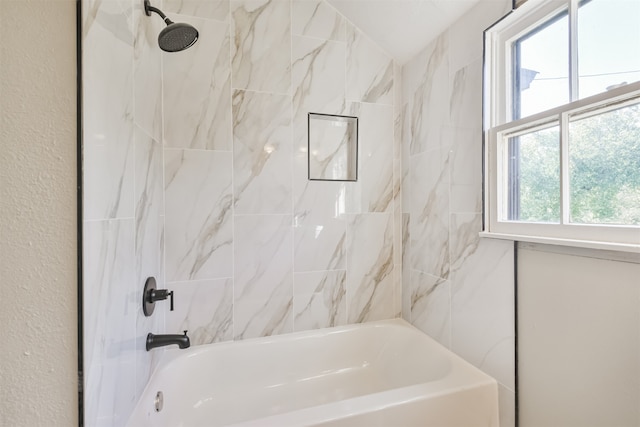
point(319, 241)
point(316, 18)
point(109, 326)
point(262, 153)
point(370, 267)
point(429, 226)
point(263, 290)
point(464, 239)
point(318, 76)
point(204, 309)
point(149, 199)
point(431, 306)
point(425, 83)
point(319, 299)
point(374, 190)
point(197, 94)
point(406, 269)
point(210, 9)
point(262, 317)
point(465, 102)
point(198, 206)
point(397, 290)
point(263, 253)
point(108, 114)
point(261, 45)
point(483, 311)
point(369, 70)
point(148, 74)
point(149, 246)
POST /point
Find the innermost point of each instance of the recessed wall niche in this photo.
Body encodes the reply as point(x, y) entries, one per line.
point(332, 147)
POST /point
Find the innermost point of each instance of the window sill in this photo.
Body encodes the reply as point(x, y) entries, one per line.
point(620, 247)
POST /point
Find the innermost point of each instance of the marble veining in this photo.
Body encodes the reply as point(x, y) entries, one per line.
point(316, 18)
point(374, 190)
point(430, 212)
point(197, 90)
point(195, 173)
point(262, 153)
point(318, 76)
point(428, 96)
point(370, 267)
point(198, 206)
point(456, 286)
point(261, 45)
point(406, 268)
point(149, 198)
point(149, 244)
point(262, 252)
point(319, 243)
point(369, 70)
point(263, 292)
point(256, 317)
point(465, 240)
point(431, 305)
point(204, 308)
point(466, 97)
point(319, 299)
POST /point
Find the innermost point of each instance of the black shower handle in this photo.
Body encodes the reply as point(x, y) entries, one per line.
point(159, 295)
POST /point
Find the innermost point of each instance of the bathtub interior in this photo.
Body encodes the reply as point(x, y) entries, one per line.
point(229, 383)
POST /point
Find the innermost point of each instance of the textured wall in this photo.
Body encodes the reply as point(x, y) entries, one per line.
point(457, 287)
point(38, 385)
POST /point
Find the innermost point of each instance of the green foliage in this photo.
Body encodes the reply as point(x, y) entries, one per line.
point(540, 176)
point(604, 170)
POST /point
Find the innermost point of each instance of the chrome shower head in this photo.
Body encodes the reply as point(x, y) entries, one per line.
point(176, 36)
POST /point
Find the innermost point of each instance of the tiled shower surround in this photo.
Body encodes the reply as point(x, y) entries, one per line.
point(195, 172)
point(456, 287)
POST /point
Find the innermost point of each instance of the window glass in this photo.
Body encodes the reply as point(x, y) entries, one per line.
point(604, 167)
point(608, 44)
point(541, 68)
point(534, 176)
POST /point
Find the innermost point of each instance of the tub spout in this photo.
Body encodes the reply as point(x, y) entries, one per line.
point(154, 341)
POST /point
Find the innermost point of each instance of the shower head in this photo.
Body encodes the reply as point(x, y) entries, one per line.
point(176, 36)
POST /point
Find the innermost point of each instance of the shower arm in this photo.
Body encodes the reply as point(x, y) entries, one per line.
point(148, 9)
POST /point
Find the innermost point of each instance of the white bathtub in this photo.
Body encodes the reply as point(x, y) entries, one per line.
point(384, 373)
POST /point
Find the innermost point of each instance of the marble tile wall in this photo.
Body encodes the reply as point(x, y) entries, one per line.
point(239, 209)
point(456, 287)
point(123, 203)
point(195, 173)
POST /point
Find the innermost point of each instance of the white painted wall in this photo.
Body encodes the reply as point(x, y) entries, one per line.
point(579, 339)
point(38, 374)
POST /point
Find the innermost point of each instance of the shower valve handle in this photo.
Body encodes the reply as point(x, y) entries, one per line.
point(150, 295)
point(160, 295)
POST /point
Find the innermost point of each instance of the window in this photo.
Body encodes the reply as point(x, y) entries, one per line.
point(562, 124)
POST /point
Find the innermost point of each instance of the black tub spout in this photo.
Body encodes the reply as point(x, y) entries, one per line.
point(154, 341)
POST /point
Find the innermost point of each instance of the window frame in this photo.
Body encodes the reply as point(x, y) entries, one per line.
point(499, 125)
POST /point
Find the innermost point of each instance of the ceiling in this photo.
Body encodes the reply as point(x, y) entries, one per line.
point(403, 27)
